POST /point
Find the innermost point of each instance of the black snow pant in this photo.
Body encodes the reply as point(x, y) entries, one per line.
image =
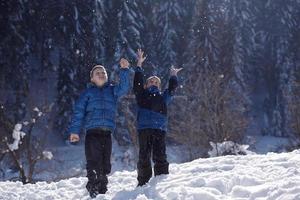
point(151, 142)
point(98, 147)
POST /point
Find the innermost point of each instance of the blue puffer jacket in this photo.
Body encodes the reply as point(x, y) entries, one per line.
point(152, 103)
point(96, 107)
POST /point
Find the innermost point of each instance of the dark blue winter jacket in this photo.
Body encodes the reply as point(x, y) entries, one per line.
point(152, 103)
point(96, 106)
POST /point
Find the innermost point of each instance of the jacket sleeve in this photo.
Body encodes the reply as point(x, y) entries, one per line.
point(169, 92)
point(78, 115)
point(122, 87)
point(138, 82)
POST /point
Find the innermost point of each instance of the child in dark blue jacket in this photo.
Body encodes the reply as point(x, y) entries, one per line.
point(152, 121)
point(95, 110)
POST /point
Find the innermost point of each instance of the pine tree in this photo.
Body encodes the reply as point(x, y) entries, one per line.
point(184, 31)
point(14, 53)
point(148, 13)
point(242, 19)
point(240, 15)
point(77, 56)
point(294, 56)
point(211, 73)
point(168, 20)
point(270, 59)
point(100, 15)
point(128, 38)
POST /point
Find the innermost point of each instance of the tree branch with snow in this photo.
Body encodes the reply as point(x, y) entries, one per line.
point(25, 148)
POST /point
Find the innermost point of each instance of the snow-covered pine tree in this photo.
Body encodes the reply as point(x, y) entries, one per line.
point(127, 41)
point(66, 90)
point(77, 56)
point(213, 111)
point(184, 31)
point(270, 61)
point(110, 10)
point(241, 17)
point(168, 19)
point(189, 121)
point(41, 21)
point(128, 38)
point(225, 99)
point(14, 53)
point(99, 30)
point(294, 56)
point(148, 10)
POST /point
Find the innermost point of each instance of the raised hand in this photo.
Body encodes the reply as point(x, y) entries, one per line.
point(74, 137)
point(140, 57)
point(174, 71)
point(124, 63)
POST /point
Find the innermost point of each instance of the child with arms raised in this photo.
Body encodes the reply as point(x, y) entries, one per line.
point(152, 121)
point(96, 110)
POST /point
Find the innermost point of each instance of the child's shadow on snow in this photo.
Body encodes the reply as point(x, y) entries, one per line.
point(149, 190)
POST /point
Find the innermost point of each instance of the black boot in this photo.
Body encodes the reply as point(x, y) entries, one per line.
point(91, 185)
point(161, 168)
point(92, 189)
point(144, 175)
point(102, 184)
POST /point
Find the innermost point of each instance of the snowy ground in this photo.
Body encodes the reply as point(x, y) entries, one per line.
point(69, 161)
point(269, 177)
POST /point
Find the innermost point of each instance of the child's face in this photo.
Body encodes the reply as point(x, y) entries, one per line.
point(153, 82)
point(99, 77)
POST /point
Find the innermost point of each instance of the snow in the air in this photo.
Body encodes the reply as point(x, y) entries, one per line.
point(260, 177)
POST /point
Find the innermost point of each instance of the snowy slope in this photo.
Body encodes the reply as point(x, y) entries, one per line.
point(270, 177)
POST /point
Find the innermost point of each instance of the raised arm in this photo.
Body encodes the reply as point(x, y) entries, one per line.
point(138, 82)
point(173, 84)
point(123, 87)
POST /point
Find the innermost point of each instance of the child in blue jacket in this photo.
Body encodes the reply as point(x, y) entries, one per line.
point(152, 121)
point(95, 110)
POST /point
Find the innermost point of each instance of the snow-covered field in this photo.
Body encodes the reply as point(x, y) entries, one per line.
point(269, 177)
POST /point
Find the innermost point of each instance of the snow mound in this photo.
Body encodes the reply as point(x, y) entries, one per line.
point(262, 177)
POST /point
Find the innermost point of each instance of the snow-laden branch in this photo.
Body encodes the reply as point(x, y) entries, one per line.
point(17, 136)
point(47, 155)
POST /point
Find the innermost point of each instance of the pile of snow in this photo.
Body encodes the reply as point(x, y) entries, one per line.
point(228, 148)
point(264, 177)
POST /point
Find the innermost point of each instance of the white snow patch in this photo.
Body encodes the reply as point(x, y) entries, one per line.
point(25, 123)
point(47, 155)
point(228, 147)
point(17, 136)
point(38, 111)
point(263, 177)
